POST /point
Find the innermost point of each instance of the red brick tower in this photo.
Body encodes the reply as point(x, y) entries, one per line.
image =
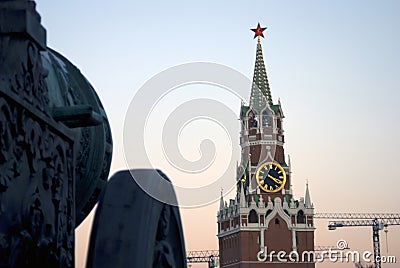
point(264, 217)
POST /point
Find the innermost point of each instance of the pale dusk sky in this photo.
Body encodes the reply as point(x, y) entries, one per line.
point(335, 65)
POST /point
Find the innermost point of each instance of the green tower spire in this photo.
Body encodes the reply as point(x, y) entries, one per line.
point(260, 92)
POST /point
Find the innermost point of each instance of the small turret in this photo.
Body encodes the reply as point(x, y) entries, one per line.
point(221, 202)
point(307, 198)
point(243, 201)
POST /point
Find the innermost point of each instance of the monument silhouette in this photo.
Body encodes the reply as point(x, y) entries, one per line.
point(55, 155)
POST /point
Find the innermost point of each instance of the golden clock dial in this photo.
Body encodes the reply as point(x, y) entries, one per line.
point(271, 177)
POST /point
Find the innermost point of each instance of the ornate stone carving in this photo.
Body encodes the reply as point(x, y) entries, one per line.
point(36, 189)
point(39, 151)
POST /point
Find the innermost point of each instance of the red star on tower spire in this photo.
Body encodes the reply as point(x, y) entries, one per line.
point(258, 31)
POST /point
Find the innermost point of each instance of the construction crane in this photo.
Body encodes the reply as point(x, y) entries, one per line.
point(377, 220)
point(355, 216)
point(326, 248)
point(203, 256)
point(211, 256)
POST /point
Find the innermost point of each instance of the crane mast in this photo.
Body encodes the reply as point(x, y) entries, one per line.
point(376, 220)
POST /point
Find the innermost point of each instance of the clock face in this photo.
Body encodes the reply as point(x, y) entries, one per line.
point(271, 177)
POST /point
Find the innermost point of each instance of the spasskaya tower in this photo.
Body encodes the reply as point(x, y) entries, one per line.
point(264, 217)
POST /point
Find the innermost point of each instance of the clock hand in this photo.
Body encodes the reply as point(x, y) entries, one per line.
point(275, 179)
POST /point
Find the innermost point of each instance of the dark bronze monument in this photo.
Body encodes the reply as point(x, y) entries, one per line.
point(55, 144)
point(132, 229)
point(55, 155)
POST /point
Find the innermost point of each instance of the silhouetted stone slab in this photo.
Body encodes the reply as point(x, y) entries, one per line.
point(132, 229)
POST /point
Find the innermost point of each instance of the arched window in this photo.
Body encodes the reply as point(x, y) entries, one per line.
point(267, 118)
point(253, 217)
point(255, 122)
point(252, 120)
point(277, 221)
point(300, 217)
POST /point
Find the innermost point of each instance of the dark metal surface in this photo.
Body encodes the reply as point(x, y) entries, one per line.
point(74, 102)
point(132, 229)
